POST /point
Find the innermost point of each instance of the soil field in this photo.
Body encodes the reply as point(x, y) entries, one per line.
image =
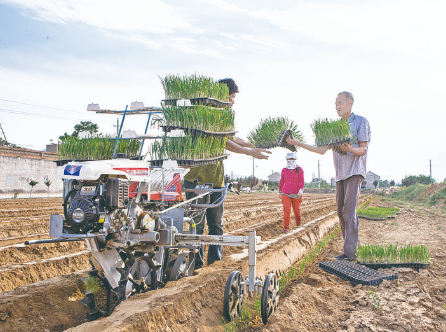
point(41, 284)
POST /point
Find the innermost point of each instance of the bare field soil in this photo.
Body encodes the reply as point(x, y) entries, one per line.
point(41, 285)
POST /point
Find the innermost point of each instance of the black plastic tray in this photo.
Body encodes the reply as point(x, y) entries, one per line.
point(200, 101)
point(66, 161)
point(390, 265)
point(281, 142)
point(356, 273)
point(198, 132)
point(190, 163)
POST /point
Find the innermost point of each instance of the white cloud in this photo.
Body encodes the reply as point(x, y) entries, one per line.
point(126, 16)
point(384, 25)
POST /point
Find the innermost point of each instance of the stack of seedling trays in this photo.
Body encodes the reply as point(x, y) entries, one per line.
point(388, 256)
point(206, 125)
point(94, 148)
point(332, 134)
point(272, 132)
point(198, 89)
point(355, 273)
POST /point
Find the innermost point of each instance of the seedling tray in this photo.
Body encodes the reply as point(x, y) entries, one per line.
point(66, 161)
point(390, 265)
point(199, 101)
point(189, 162)
point(281, 142)
point(197, 132)
point(356, 273)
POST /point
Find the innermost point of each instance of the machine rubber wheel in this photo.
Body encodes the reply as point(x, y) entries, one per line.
point(184, 266)
point(270, 297)
point(233, 298)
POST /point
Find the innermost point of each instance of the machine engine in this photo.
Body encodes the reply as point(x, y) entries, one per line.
point(87, 203)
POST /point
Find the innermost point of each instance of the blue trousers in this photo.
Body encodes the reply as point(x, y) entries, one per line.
point(214, 220)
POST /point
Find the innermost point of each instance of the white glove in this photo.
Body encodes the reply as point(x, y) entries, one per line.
point(301, 192)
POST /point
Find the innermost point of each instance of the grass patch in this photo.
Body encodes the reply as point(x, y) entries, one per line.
point(439, 195)
point(411, 193)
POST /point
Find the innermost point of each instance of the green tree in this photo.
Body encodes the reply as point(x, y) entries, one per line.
point(32, 184)
point(48, 184)
point(9, 145)
point(88, 126)
point(412, 179)
point(392, 183)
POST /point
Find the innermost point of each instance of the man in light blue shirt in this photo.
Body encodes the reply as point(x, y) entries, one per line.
point(350, 171)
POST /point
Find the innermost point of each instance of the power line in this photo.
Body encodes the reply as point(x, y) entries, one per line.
point(53, 108)
point(3, 110)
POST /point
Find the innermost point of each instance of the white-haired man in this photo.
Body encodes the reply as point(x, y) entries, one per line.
point(350, 171)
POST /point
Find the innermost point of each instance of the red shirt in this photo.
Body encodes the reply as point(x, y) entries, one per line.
point(291, 181)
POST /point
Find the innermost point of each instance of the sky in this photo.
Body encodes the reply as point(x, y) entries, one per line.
point(289, 58)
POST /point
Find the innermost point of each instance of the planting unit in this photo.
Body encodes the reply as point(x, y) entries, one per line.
point(140, 231)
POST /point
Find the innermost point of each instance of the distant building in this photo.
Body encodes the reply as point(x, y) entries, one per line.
point(275, 177)
point(51, 148)
point(333, 182)
point(370, 178)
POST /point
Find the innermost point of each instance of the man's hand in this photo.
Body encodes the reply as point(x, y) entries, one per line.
point(347, 147)
point(292, 141)
point(257, 153)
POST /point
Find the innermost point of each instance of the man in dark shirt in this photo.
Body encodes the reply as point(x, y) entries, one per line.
point(214, 173)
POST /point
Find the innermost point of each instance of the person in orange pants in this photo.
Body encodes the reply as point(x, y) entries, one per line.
point(291, 188)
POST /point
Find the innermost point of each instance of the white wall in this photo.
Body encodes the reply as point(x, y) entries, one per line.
point(14, 172)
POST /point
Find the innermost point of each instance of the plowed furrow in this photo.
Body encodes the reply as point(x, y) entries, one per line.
point(24, 274)
point(15, 255)
point(11, 233)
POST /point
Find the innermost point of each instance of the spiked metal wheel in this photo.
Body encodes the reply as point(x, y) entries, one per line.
point(233, 298)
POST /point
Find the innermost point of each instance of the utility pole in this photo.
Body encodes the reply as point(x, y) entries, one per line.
point(430, 167)
point(252, 169)
point(3, 133)
point(319, 173)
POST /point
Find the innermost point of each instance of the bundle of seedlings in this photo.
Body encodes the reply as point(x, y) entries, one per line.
point(188, 147)
point(95, 148)
point(194, 86)
point(272, 132)
point(199, 117)
point(392, 254)
point(332, 133)
point(377, 212)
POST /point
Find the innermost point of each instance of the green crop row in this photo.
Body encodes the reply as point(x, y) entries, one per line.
point(198, 117)
point(375, 253)
point(193, 86)
point(188, 147)
point(95, 148)
point(329, 132)
point(269, 131)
